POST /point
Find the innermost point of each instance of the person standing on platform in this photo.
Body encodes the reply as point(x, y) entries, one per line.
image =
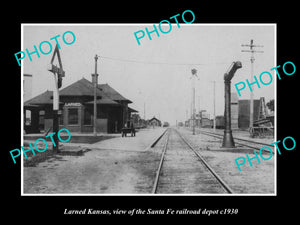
point(132, 130)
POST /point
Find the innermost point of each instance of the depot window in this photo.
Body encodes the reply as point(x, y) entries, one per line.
point(73, 118)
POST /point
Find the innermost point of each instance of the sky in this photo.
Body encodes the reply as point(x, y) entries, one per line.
point(157, 73)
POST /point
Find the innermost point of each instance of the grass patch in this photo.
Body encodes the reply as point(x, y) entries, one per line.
point(34, 160)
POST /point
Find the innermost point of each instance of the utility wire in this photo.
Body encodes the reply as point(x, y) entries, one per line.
point(166, 63)
point(163, 63)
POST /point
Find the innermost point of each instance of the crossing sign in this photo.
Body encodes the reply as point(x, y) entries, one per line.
point(57, 70)
point(58, 73)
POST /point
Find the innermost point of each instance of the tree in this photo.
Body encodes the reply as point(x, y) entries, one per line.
point(135, 118)
point(270, 105)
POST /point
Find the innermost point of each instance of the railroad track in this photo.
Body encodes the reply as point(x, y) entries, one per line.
point(183, 170)
point(243, 142)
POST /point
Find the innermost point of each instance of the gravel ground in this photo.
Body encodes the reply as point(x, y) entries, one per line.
point(110, 167)
point(98, 171)
point(128, 166)
point(258, 179)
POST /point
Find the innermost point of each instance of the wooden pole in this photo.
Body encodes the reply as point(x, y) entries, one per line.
point(214, 82)
point(95, 82)
point(55, 114)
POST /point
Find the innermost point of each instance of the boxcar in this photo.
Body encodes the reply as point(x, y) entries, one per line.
point(206, 123)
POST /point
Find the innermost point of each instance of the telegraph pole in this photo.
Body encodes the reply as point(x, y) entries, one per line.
point(194, 74)
point(252, 51)
point(55, 113)
point(199, 103)
point(187, 116)
point(95, 83)
point(199, 99)
point(193, 107)
point(144, 111)
point(214, 82)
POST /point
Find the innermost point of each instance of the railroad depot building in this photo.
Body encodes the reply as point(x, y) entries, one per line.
point(76, 104)
point(154, 122)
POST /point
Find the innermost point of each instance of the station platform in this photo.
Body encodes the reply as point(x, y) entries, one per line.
point(141, 142)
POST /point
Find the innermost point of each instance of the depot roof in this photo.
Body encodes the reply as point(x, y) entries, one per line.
point(105, 101)
point(154, 118)
point(132, 110)
point(44, 98)
point(112, 93)
point(81, 88)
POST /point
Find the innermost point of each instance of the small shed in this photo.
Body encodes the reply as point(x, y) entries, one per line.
point(154, 122)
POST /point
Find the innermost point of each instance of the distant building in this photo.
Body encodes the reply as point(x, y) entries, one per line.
point(201, 120)
point(180, 124)
point(244, 112)
point(234, 111)
point(76, 109)
point(166, 124)
point(187, 123)
point(240, 113)
point(204, 114)
point(206, 123)
point(154, 122)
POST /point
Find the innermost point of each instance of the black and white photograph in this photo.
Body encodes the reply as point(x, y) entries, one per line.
point(144, 111)
point(177, 113)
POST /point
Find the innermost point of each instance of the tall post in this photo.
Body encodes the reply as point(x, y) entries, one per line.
point(187, 117)
point(251, 93)
point(191, 110)
point(58, 74)
point(251, 45)
point(194, 74)
point(144, 111)
point(194, 122)
point(55, 114)
point(228, 141)
point(214, 82)
point(95, 83)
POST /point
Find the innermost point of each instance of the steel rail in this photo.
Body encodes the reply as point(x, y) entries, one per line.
point(161, 162)
point(220, 136)
point(221, 181)
point(254, 142)
point(155, 142)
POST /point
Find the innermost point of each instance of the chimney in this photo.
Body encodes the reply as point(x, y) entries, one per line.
point(94, 78)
